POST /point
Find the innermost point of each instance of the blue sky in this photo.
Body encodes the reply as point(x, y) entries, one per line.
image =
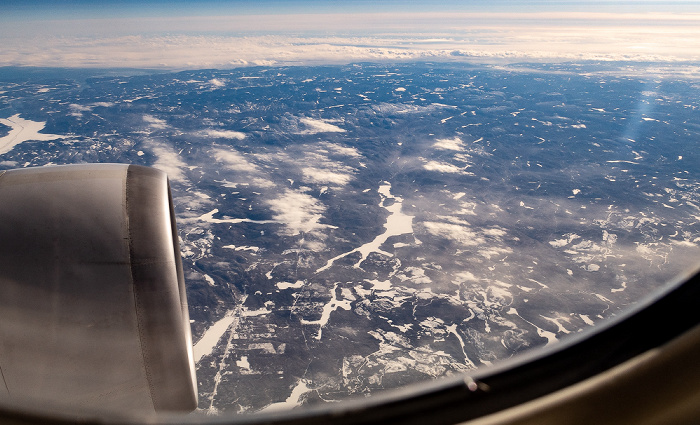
point(71, 9)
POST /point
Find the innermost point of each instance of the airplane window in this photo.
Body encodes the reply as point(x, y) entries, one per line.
point(372, 196)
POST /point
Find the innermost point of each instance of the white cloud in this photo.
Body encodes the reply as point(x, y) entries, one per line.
point(494, 251)
point(494, 232)
point(464, 276)
point(312, 163)
point(385, 108)
point(313, 126)
point(262, 182)
point(299, 212)
point(455, 144)
point(455, 232)
point(224, 134)
point(334, 148)
point(201, 42)
point(154, 122)
point(234, 160)
point(216, 82)
point(443, 167)
point(330, 176)
point(168, 161)
point(77, 110)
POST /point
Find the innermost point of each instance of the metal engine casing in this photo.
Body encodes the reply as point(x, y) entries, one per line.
point(93, 311)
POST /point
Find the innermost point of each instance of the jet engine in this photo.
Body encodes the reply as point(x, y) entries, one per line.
point(93, 311)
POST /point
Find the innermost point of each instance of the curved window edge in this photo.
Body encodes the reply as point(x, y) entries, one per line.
point(605, 370)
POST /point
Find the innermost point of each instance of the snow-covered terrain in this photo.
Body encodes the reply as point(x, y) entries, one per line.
point(350, 229)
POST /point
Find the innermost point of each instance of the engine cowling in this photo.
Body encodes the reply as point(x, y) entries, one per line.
point(93, 311)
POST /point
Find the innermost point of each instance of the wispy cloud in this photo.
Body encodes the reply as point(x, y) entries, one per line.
point(318, 168)
point(327, 176)
point(235, 160)
point(168, 160)
point(224, 134)
point(463, 234)
point(454, 144)
point(314, 126)
point(299, 212)
point(336, 149)
point(154, 122)
point(444, 167)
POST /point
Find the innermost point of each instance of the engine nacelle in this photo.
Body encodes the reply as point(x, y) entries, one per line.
point(93, 311)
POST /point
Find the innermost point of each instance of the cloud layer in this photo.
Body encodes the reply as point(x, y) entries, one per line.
point(208, 41)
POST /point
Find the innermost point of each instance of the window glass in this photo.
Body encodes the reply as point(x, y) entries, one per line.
point(367, 196)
